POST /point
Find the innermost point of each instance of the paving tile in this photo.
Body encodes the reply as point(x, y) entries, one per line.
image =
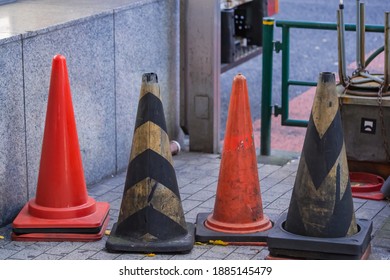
point(6, 253)
point(18, 245)
point(379, 253)
point(261, 255)
point(281, 188)
point(157, 257)
point(202, 195)
point(279, 204)
point(109, 196)
point(195, 253)
point(212, 187)
point(79, 254)
point(95, 245)
point(236, 256)
point(375, 205)
point(119, 189)
point(385, 211)
point(129, 256)
point(281, 174)
point(272, 214)
point(191, 215)
point(64, 248)
point(219, 252)
point(379, 222)
point(4, 243)
point(268, 182)
point(248, 250)
point(188, 204)
point(103, 255)
point(208, 203)
point(116, 204)
point(290, 180)
point(98, 190)
point(270, 196)
point(48, 257)
point(267, 170)
point(205, 181)
point(27, 254)
point(381, 242)
point(368, 214)
point(183, 181)
point(209, 166)
point(43, 246)
point(191, 188)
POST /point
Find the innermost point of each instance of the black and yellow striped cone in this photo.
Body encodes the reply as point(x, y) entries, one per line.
point(321, 204)
point(321, 222)
point(151, 217)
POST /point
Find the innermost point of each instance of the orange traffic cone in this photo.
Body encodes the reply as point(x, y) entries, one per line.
point(238, 212)
point(62, 209)
point(321, 223)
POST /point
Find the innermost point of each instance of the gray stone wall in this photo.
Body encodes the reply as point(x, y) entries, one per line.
point(106, 54)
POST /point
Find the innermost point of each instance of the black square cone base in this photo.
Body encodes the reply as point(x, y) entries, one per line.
point(204, 235)
point(285, 245)
point(181, 244)
point(365, 256)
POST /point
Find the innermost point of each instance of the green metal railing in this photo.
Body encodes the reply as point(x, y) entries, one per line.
point(269, 46)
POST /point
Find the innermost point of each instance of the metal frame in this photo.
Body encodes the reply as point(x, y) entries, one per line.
point(268, 47)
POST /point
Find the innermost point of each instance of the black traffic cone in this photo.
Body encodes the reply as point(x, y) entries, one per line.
point(320, 223)
point(151, 217)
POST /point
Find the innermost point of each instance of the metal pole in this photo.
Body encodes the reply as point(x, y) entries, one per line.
point(285, 72)
point(387, 51)
point(358, 34)
point(341, 43)
point(266, 96)
point(362, 36)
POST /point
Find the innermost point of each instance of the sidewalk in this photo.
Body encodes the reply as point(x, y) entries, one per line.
point(197, 176)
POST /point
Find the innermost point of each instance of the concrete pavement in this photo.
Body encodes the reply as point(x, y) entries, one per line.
point(197, 176)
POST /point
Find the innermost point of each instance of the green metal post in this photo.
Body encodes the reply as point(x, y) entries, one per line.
point(285, 71)
point(266, 95)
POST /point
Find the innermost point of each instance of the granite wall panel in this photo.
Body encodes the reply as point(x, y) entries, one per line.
point(88, 48)
point(13, 173)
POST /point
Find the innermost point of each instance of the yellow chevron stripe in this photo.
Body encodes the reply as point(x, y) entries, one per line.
point(163, 200)
point(151, 136)
point(153, 88)
point(325, 107)
point(321, 201)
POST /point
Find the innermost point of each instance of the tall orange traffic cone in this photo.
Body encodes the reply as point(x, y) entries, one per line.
point(62, 209)
point(320, 223)
point(238, 211)
point(151, 217)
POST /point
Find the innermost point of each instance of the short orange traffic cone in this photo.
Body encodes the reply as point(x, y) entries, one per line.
point(62, 209)
point(238, 211)
point(151, 217)
point(321, 223)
